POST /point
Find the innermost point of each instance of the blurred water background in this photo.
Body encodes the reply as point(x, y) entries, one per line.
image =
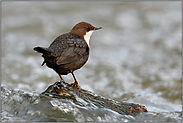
point(136, 57)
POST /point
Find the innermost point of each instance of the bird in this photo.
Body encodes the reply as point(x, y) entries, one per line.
point(69, 51)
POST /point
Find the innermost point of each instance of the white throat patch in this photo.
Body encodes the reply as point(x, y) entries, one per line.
point(87, 36)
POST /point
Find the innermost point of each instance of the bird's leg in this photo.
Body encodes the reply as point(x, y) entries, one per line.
point(62, 80)
point(75, 83)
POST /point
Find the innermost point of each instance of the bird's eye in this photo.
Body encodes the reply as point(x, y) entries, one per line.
point(88, 28)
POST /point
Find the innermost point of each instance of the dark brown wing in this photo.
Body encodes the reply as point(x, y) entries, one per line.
point(77, 48)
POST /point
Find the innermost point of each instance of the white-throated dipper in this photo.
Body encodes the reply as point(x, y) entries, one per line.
point(70, 51)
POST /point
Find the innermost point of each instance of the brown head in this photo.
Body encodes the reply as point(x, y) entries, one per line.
point(84, 30)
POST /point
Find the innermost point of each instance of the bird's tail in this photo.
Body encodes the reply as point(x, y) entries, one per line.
point(42, 50)
point(46, 52)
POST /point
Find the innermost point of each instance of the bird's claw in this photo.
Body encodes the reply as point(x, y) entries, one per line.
point(75, 84)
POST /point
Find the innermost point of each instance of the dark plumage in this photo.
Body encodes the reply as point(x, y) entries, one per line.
point(70, 51)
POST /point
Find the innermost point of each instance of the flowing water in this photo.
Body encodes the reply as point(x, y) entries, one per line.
point(136, 58)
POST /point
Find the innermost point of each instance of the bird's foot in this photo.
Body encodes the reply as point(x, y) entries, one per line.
point(62, 80)
point(75, 84)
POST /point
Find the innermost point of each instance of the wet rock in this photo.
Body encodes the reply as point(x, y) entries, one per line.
point(62, 102)
point(86, 98)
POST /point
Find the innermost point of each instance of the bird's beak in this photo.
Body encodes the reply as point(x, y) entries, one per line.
point(96, 28)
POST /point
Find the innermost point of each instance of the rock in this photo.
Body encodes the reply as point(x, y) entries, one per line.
point(80, 96)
